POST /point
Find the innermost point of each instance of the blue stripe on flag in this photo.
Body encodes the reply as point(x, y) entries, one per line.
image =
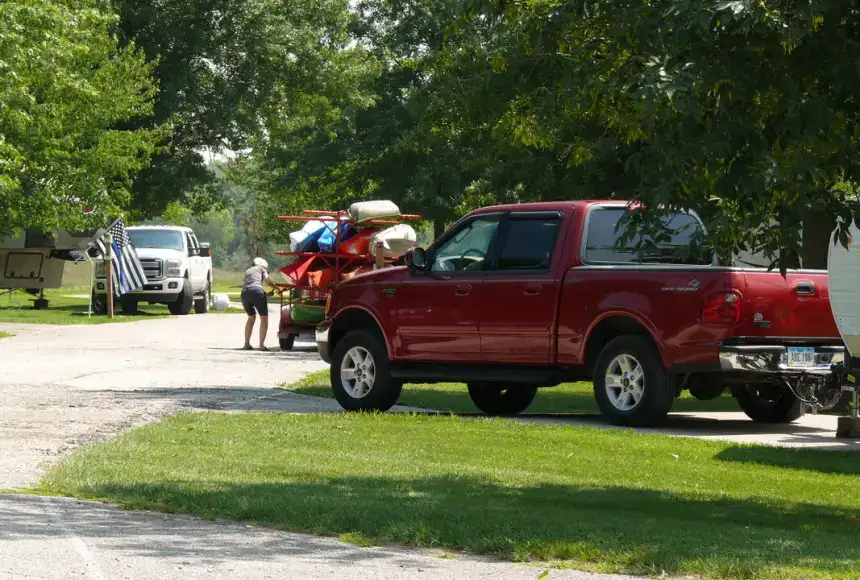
point(123, 280)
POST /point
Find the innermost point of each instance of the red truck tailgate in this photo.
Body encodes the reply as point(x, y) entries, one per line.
point(797, 305)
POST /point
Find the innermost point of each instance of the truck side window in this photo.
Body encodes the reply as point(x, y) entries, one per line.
point(529, 244)
point(190, 242)
point(468, 248)
point(602, 236)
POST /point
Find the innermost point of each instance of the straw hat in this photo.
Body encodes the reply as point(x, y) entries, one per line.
point(261, 262)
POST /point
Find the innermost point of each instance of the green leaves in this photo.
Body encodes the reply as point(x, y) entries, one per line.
point(69, 90)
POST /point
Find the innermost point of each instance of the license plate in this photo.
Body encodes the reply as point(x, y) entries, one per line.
point(801, 356)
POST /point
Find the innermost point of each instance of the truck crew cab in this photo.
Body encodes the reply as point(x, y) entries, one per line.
point(519, 297)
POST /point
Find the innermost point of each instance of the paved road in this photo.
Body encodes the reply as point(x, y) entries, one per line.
point(58, 539)
point(61, 387)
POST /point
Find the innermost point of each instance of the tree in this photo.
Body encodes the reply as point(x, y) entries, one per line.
point(743, 110)
point(390, 136)
point(67, 90)
point(224, 68)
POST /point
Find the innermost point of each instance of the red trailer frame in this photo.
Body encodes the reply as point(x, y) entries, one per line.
point(304, 293)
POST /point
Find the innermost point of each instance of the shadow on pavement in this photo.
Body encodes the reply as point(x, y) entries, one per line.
point(298, 349)
point(264, 399)
point(195, 541)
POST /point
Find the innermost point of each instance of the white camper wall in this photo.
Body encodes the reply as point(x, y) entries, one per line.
point(30, 268)
point(843, 269)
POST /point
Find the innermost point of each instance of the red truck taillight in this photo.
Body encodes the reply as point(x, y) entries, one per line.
point(722, 308)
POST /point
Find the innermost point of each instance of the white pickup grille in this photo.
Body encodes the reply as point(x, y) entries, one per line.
point(154, 269)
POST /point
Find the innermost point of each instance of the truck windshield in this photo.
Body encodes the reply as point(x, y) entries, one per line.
point(161, 239)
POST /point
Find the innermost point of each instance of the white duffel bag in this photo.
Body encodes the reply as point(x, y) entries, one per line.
point(222, 302)
point(396, 240)
point(373, 210)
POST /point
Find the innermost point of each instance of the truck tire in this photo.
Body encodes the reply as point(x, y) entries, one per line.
point(360, 375)
point(287, 342)
point(201, 305)
point(501, 400)
point(128, 305)
point(630, 384)
point(99, 304)
point(184, 302)
point(784, 408)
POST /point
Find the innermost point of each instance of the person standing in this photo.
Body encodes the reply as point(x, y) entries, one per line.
point(255, 302)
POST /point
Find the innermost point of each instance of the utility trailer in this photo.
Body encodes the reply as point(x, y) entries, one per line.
point(312, 275)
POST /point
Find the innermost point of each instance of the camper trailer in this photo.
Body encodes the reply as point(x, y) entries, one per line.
point(34, 260)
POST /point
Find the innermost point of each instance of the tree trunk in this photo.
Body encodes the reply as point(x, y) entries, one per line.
point(817, 229)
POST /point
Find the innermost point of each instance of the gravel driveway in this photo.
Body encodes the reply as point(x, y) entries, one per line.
point(63, 386)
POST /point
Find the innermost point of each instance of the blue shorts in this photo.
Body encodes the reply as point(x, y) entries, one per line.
point(255, 299)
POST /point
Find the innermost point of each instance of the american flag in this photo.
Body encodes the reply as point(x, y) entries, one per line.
point(126, 270)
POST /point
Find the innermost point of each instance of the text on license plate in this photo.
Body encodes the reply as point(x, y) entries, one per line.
point(801, 356)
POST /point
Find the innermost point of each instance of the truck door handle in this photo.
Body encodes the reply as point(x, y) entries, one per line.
point(805, 288)
point(533, 289)
point(463, 290)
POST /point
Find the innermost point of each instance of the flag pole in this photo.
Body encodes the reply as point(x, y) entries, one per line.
point(109, 264)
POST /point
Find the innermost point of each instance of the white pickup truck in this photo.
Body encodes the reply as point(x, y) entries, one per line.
point(178, 270)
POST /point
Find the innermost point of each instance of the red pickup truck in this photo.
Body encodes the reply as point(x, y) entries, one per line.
point(515, 298)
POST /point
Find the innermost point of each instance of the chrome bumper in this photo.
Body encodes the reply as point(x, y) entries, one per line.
point(322, 340)
point(774, 359)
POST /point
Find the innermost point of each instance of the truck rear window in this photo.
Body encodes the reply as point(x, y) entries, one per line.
point(602, 238)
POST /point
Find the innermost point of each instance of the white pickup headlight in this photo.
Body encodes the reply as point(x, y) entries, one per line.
point(101, 269)
point(174, 268)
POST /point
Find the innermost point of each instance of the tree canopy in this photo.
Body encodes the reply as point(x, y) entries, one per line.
point(744, 111)
point(68, 89)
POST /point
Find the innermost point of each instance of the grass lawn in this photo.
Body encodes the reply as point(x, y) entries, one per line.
point(576, 398)
point(572, 496)
point(68, 305)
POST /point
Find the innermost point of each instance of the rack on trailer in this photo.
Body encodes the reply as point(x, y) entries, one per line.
point(342, 247)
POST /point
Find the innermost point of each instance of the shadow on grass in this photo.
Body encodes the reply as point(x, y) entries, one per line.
point(566, 399)
point(823, 463)
point(64, 313)
point(617, 528)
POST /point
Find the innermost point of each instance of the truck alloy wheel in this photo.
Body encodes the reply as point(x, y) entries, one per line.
point(502, 399)
point(360, 375)
point(630, 384)
point(624, 382)
point(358, 372)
